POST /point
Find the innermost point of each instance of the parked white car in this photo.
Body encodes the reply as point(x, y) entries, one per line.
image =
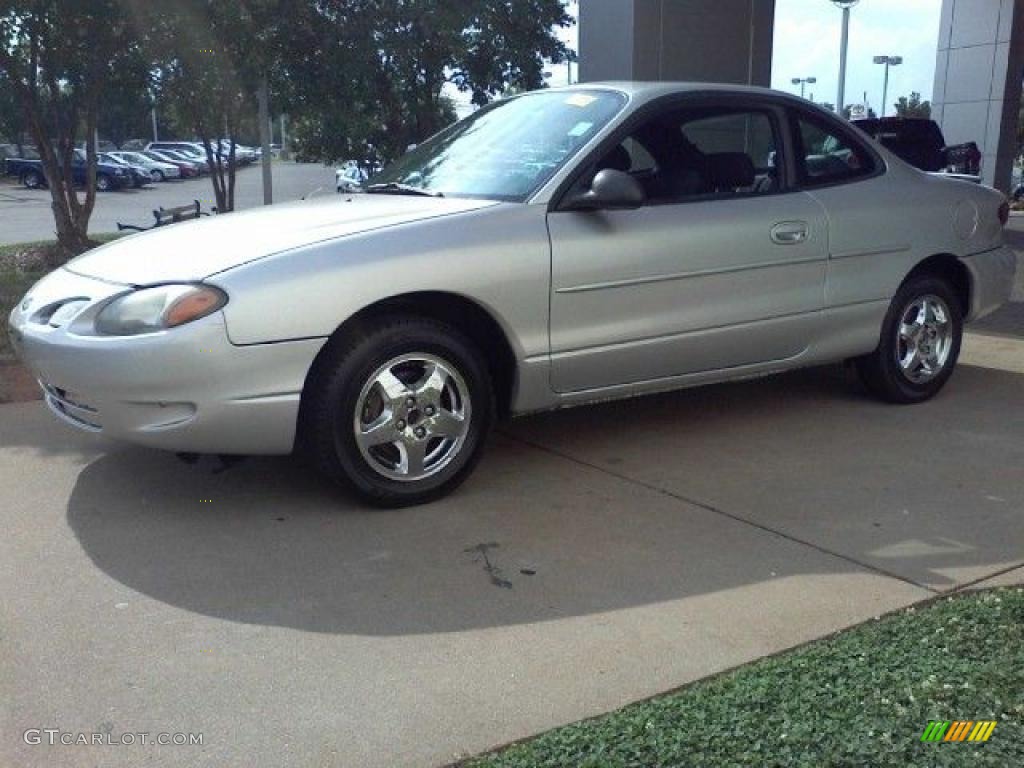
point(551, 249)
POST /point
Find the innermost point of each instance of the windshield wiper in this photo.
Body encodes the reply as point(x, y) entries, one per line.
point(394, 188)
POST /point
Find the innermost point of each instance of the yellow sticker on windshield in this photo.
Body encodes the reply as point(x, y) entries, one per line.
point(580, 100)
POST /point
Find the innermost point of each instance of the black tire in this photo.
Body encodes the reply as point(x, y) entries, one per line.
point(103, 183)
point(33, 180)
point(336, 387)
point(882, 371)
point(159, 176)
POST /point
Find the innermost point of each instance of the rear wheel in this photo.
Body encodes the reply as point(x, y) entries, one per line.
point(33, 180)
point(158, 176)
point(399, 413)
point(103, 183)
point(920, 343)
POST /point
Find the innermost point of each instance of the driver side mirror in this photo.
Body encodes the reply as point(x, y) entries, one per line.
point(610, 190)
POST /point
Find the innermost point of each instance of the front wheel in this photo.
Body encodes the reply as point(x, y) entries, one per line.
point(920, 343)
point(103, 183)
point(399, 413)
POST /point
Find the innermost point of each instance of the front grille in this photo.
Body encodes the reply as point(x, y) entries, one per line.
point(71, 407)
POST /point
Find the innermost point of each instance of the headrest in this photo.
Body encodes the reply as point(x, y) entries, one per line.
point(618, 160)
point(729, 170)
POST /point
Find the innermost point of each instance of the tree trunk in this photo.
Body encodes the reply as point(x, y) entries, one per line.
point(216, 173)
point(231, 175)
point(70, 229)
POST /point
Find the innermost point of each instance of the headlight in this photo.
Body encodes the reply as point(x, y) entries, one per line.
point(156, 309)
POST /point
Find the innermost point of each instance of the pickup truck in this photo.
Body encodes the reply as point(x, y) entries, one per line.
point(920, 142)
point(108, 176)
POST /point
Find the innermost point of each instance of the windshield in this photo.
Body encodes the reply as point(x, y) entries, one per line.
point(506, 151)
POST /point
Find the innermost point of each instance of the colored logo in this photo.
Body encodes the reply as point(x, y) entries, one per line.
point(958, 730)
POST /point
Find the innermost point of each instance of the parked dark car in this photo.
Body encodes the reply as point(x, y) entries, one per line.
point(8, 151)
point(108, 176)
point(140, 176)
point(12, 152)
point(919, 141)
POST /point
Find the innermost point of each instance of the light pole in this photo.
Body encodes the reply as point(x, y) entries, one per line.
point(803, 82)
point(889, 61)
point(845, 5)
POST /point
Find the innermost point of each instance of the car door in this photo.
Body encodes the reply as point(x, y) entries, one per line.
point(870, 250)
point(722, 267)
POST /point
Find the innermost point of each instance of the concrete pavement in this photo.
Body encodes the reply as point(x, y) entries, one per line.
point(597, 556)
point(25, 214)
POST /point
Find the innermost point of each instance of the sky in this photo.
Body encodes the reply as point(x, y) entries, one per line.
point(807, 34)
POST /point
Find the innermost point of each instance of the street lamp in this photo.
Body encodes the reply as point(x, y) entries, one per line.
point(845, 5)
point(803, 82)
point(889, 61)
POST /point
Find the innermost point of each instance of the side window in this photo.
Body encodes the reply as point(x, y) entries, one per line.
point(826, 155)
point(749, 133)
point(701, 153)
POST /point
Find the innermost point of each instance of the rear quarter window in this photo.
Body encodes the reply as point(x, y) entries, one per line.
point(827, 153)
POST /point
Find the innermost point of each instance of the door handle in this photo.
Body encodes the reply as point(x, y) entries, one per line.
point(790, 232)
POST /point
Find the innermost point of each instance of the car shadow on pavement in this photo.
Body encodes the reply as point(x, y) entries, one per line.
point(586, 511)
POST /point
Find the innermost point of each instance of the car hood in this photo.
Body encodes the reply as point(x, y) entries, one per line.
point(197, 249)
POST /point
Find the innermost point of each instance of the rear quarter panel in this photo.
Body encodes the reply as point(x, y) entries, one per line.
point(881, 228)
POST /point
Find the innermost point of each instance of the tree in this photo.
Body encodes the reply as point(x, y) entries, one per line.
point(12, 121)
point(62, 57)
point(125, 112)
point(207, 78)
point(383, 63)
point(912, 106)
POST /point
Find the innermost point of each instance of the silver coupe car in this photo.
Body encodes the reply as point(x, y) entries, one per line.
point(552, 249)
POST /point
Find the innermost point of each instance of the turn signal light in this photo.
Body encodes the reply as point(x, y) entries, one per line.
point(191, 306)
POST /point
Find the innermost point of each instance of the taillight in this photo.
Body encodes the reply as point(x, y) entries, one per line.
point(1004, 213)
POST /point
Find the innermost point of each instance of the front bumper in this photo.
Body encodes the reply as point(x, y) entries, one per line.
point(992, 275)
point(187, 389)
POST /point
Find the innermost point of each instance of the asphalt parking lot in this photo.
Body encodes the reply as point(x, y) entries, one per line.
point(597, 556)
point(26, 216)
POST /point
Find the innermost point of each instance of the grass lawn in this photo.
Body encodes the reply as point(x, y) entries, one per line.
point(859, 698)
point(21, 265)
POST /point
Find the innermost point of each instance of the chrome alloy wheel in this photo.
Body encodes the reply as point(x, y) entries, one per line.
point(925, 338)
point(412, 417)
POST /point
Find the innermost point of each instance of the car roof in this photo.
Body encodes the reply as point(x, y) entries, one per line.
point(640, 91)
